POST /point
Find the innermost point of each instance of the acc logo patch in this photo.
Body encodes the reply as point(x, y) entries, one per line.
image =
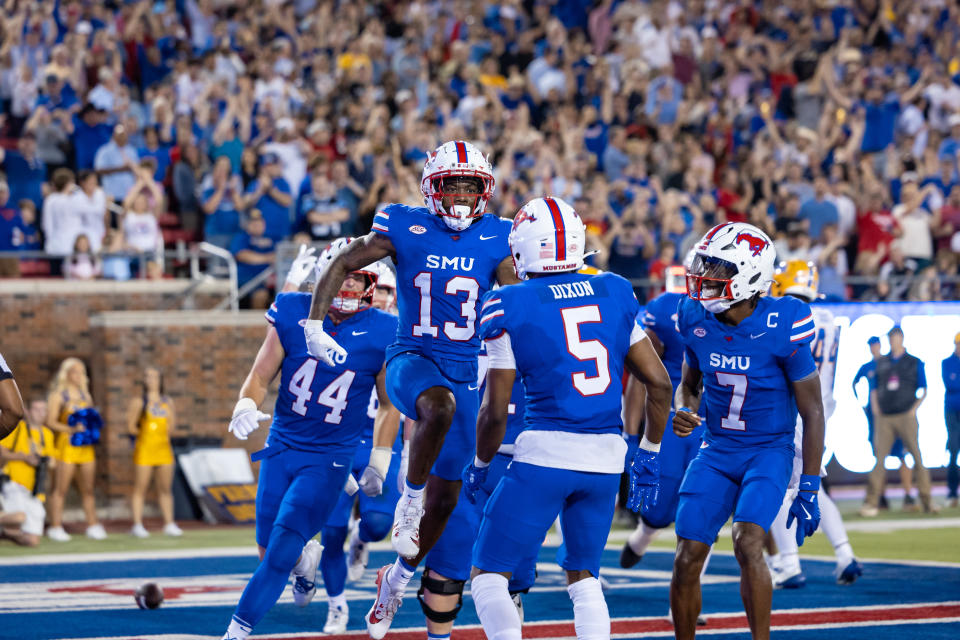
point(417, 229)
point(700, 332)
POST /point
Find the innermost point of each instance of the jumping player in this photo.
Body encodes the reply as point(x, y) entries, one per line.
point(801, 280)
point(752, 356)
point(319, 416)
point(569, 336)
point(448, 254)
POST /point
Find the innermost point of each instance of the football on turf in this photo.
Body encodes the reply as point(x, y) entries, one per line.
point(148, 596)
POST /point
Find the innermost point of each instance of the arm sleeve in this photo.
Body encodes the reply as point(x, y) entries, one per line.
point(5, 373)
point(493, 316)
point(500, 352)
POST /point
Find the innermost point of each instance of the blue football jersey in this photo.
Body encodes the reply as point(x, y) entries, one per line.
point(321, 407)
point(441, 276)
point(748, 369)
point(570, 335)
point(518, 400)
point(660, 316)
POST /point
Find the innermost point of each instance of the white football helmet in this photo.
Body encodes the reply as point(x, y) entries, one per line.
point(385, 276)
point(348, 301)
point(451, 160)
point(547, 237)
point(732, 262)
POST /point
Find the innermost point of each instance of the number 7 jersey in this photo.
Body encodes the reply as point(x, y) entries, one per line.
point(441, 276)
point(748, 369)
point(323, 408)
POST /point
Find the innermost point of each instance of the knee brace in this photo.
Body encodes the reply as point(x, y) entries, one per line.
point(443, 587)
point(375, 525)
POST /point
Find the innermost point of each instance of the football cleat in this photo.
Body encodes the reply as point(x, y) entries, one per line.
point(789, 579)
point(406, 526)
point(305, 574)
point(380, 616)
point(337, 618)
point(629, 558)
point(849, 573)
point(357, 556)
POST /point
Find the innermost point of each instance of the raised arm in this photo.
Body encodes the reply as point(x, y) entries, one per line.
point(357, 254)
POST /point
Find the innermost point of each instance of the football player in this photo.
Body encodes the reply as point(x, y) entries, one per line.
point(569, 336)
point(448, 255)
point(800, 279)
point(375, 506)
point(318, 418)
point(751, 354)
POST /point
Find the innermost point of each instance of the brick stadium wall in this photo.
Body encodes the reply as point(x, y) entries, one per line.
point(117, 330)
point(204, 357)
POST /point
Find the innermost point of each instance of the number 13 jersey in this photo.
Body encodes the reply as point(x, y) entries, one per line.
point(748, 369)
point(441, 276)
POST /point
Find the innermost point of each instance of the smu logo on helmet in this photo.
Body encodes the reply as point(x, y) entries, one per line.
point(523, 216)
point(756, 244)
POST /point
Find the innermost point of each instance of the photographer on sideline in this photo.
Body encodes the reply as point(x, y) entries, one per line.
point(27, 454)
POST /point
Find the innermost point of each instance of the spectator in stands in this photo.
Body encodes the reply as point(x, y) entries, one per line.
point(52, 132)
point(270, 195)
point(221, 198)
point(83, 263)
point(254, 251)
point(915, 220)
point(70, 392)
point(154, 147)
point(322, 212)
point(899, 378)
point(26, 172)
point(90, 204)
point(116, 162)
point(187, 173)
point(61, 222)
point(29, 238)
point(141, 209)
point(28, 455)
point(150, 418)
point(819, 211)
point(90, 132)
point(876, 229)
point(11, 227)
point(115, 263)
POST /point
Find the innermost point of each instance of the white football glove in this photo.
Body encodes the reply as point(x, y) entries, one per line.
point(246, 418)
point(404, 464)
point(302, 266)
point(371, 481)
point(319, 343)
point(351, 486)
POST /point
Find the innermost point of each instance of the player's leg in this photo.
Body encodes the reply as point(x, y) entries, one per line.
point(375, 519)
point(756, 589)
point(515, 520)
point(848, 569)
point(762, 489)
point(333, 566)
point(586, 518)
point(317, 482)
point(707, 496)
point(141, 481)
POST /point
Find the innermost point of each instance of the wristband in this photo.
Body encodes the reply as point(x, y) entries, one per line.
point(479, 464)
point(809, 483)
point(646, 445)
point(380, 460)
point(687, 409)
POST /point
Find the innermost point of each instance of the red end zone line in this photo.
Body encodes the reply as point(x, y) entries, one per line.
point(900, 613)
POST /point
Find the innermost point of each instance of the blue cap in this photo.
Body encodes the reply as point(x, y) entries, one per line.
point(873, 340)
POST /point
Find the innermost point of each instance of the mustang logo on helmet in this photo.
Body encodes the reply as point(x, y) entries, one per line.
point(756, 244)
point(523, 216)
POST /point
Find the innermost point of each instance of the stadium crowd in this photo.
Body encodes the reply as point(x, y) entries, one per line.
point(834, 125)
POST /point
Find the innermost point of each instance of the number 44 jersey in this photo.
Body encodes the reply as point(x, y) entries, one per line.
point(441, 276)
point(323, 408)
point(748, 369)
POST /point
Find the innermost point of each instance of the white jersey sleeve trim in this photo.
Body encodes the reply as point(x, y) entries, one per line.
point(4, 367)
point(637, 334)
point(500, 352)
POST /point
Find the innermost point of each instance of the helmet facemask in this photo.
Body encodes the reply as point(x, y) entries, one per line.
point(709, 281)
point(460, 198)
